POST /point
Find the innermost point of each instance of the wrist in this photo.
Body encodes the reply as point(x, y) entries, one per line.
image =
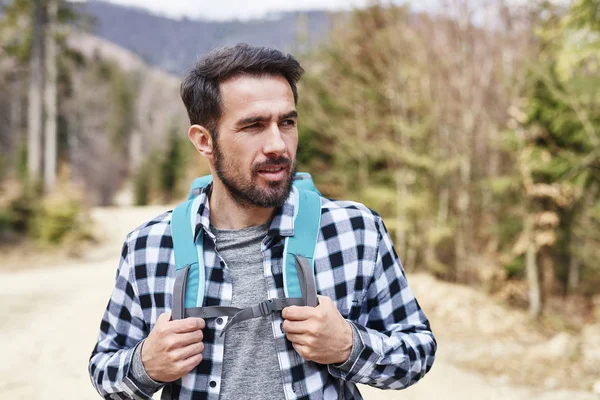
point(347, 341)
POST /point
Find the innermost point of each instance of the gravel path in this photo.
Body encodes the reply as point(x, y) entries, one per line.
point(51, 314)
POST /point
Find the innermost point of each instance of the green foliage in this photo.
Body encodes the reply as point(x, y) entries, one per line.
point(23, 208)
point(51, 219)
point(122, 89)
point(172, 167)
point(563, 108)
point(160, 176)
point(57, 218)
point(142, 185)
point(17, 27)
point(515, 269)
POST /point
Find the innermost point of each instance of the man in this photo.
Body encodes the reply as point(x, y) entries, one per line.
point(368, 327)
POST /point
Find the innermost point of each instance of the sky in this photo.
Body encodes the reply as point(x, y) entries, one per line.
point(248, 9)
point(234, 9)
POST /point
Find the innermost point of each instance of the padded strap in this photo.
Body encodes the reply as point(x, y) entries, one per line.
point(186, 251)
point(307, 223)
point(182, 234)
point(178, 311)
point(306, 279)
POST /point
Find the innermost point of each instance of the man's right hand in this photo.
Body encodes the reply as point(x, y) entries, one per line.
point(173, 348)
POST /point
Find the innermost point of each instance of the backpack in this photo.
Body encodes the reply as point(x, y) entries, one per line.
point(298, 263)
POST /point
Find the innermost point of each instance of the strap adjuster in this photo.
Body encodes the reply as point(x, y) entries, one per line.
point(266, 307)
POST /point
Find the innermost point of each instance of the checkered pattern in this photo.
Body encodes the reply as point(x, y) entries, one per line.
point(355, 265)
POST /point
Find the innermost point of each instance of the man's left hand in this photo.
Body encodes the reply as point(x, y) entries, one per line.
point(318, 334)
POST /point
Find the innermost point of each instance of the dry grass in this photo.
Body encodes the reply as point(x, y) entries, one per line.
point(487, 337)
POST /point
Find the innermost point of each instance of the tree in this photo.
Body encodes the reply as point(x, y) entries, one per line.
point(50, 97)
point(36, 89)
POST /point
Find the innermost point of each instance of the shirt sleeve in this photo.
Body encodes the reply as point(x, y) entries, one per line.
point(398, 344)
point(121, 330)
point(357, 348)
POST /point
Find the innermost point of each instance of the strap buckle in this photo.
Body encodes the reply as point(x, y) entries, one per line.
point(266, 307)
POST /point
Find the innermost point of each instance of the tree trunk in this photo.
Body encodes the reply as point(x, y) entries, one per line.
point(16, 116)
point(363, 160)
point(574, 274)
point(533, 276)
point(50, 99)
point(549, 283)
point(401, 194)
point(36, 90)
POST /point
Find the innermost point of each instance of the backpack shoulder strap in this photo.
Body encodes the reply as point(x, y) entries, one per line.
point(307, 223)
point(198, 184)
point(189, 279)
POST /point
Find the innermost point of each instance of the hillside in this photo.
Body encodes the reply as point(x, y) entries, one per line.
point(175, 44)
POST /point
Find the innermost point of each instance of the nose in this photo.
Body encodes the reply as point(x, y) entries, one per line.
point(274, 143)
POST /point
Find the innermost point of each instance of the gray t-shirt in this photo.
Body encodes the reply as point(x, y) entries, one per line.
point(250, 365)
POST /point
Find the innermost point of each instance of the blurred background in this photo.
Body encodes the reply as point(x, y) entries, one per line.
point(472, 127)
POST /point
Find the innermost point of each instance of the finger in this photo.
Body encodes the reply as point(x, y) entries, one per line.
point(290, 326)
point(187, 325)
point(297, 313)
point(186, 352)
point(297, 339)
point(163, 318)
point(301, 350)
point(191, 362)
point(185, 339)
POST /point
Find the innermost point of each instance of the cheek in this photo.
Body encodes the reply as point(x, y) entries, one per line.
point(291, 142)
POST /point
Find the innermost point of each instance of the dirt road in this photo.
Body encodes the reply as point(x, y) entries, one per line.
point(51, 314)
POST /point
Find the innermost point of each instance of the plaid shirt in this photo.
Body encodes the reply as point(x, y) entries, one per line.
point(355, 265)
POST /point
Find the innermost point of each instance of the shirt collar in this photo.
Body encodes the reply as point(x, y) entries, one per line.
point(282, 223)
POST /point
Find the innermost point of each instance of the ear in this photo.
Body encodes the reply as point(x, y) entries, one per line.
point(201, 139)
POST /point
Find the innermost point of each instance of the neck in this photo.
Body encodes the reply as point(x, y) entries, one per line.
point(227, 213)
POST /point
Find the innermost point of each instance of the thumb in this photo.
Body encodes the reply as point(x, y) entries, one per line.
point(163, 318)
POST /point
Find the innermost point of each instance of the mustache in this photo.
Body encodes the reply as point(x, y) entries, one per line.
point(275, 162)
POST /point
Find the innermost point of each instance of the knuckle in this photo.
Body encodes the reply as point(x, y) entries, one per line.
point(191, 323)
point(170, 343)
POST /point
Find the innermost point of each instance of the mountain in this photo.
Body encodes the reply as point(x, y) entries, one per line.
point(175, 45)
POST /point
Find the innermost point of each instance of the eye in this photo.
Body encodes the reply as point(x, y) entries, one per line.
point(288, 122)
point(254, 126)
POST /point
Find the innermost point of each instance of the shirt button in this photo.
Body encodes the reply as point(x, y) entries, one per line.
point(213, 384)
point(219, 321)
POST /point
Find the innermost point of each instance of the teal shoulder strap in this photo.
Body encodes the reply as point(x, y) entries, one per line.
point(298, 262)
point(307, 223)
point(303, 180)
point(187, 252)
point(198, 184)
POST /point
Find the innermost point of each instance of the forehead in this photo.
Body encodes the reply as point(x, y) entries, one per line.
point(247, 94)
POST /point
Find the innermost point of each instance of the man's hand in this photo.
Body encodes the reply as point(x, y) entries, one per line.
point(173, 348)
point(318, 334)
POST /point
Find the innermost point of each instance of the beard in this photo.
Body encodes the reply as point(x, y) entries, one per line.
point(249, 191)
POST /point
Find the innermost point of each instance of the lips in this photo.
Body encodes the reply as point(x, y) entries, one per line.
point(273, 171)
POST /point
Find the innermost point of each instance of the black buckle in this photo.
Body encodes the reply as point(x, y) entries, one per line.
point(266, 307)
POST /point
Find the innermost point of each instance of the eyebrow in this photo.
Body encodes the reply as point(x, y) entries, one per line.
point(258, 118)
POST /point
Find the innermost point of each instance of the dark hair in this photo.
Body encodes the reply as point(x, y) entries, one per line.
point(200, 87)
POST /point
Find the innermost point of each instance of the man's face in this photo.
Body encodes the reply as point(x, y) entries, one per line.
point(255, 148)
